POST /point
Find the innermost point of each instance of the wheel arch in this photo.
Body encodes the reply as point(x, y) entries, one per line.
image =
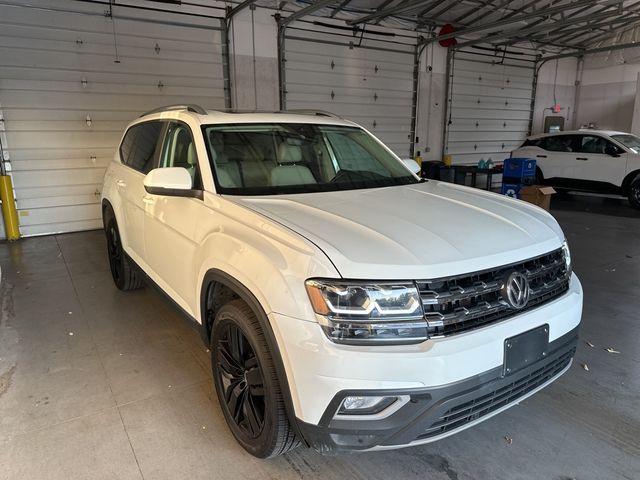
point(628, 179)
point(214, 278)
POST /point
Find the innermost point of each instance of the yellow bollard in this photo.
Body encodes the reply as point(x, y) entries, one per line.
point(9, 212)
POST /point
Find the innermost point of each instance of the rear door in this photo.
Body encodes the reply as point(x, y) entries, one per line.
point(556, 157)
point(600, 160)
point(139, 154)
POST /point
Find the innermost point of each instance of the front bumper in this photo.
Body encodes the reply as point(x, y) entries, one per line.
point(320, 373)
point(434, 413)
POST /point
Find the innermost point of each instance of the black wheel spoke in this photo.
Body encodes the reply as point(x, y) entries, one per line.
point(252, 415)
point(240, 377)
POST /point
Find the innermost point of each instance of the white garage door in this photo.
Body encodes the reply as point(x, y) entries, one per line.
point(368, 80)
point(66, 95)
point(489, 104)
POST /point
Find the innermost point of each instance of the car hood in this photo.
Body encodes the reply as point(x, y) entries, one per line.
point(427, 230)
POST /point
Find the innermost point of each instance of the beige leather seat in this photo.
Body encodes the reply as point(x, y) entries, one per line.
point(288, 172)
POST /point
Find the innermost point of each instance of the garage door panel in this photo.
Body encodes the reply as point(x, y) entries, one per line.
point(59, 153)
point(498, 91)
point(54, 191)
point(140, 103)
point(494, 114)
point(79, 125)
point(340, 63)
point(173, 78)
point(492, 136)
point(43, 178)
point(370, 83)
point(493, 150)
point(61, 164)
point(486, 125)
point(77, 87)
point(346, 95)
point(29, 57)
point(106, 47)
point(353, 81)
point(84, 40)
point(58, 160)
point(468, 101)
point(59, 201)
point(85, 17)
point(489, 105)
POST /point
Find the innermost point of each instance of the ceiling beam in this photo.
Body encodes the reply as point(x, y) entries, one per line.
point(621, 46)
point(545, 12)
point(306, 11)
point(386, 12)
point(524, 31)
point(339, 7)
point(238, 7)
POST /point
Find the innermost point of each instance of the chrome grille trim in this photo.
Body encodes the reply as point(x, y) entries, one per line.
point(464, 302)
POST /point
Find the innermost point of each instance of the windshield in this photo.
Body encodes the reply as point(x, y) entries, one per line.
point(630, 141)
point(279, 158)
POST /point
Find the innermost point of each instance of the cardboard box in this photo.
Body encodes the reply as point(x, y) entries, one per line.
point(538, 195)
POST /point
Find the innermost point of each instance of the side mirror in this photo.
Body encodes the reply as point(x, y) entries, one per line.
point(412, 165)
point(170, 181)
point(612, 150)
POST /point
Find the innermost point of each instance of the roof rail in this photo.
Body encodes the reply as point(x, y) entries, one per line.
point(189, 107)
point(319, 113)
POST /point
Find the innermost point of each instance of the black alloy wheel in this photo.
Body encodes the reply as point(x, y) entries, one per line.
point(241, 380)
point(124, 273)
point(246, 381)
point(634, 194)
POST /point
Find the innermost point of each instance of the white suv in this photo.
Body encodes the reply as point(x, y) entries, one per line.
point(347, 304)
point(589, 160)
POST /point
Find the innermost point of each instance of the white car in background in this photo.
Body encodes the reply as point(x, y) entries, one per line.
point(587, 160)
point(335, 315)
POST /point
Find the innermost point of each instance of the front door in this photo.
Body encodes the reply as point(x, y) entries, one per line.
point(171, 223)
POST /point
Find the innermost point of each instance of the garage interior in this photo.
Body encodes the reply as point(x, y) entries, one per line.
point(99, 384)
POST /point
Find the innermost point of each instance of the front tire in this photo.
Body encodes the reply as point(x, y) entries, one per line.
point(247, 384)
point(123, 272)
point(634, 193)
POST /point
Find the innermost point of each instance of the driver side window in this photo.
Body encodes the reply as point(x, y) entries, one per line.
point(179, 150)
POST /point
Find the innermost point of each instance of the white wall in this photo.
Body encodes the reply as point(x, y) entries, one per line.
point(556, 84)
point(431, 102)
point(608, 90)
point(254, 60)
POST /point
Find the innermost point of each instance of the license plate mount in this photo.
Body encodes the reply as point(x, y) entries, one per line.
point(525, 349)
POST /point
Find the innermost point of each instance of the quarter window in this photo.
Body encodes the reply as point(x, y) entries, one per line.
point(138, 148)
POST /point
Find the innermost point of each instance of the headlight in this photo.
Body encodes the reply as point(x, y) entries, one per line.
point(567, 257)
point(368, 313)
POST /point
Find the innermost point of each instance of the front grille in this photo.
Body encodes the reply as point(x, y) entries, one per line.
point(483, 405)
point(457, 304)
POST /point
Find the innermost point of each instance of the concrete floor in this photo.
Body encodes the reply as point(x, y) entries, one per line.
point(99, 384)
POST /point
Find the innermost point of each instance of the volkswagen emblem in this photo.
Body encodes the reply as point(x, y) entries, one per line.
point(516, 290)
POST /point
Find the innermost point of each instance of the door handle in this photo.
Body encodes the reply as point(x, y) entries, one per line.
point(541, 156)
point(148, 200)
point(582, 158)
point(121, 183)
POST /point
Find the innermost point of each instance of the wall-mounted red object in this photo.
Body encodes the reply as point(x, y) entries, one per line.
point(556, 108)
point(445, 30)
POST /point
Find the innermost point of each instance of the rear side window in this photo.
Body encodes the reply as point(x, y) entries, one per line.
point(559, 143)
point(139, 146)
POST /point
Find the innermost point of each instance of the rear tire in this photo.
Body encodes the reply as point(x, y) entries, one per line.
point(634, 193)
point(246, 383)
point(123, 272)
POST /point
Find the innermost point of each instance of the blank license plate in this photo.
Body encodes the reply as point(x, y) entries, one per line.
point(524, 349)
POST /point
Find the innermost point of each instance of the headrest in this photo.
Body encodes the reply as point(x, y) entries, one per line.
point(289, 152)
point(191, 154)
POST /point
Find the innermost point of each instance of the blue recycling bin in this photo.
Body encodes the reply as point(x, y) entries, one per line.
point(519, 170)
